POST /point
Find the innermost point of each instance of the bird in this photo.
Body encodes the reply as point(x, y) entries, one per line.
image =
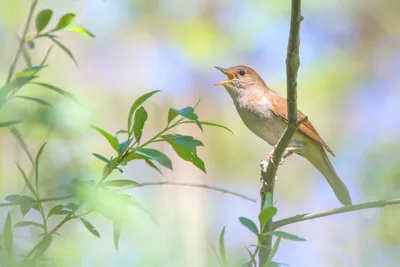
point(264, 112)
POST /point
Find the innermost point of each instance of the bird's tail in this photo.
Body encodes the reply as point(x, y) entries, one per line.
point(323, 164)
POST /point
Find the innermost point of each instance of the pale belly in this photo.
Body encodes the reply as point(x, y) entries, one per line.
point(268, 127)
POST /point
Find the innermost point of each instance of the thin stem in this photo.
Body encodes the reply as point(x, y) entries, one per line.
point(315, 215)
point(268, 174)
point(214, 188)
point(23, 38)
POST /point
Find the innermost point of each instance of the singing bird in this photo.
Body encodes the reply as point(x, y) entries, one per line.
point(264, 112)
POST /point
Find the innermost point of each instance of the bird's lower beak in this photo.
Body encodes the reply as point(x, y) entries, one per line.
point(228, 74)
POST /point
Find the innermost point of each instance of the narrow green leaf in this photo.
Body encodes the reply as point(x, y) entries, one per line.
point(120, 183)
point(21, 142)
point(111, 139)
point(152, 165)
point(249, 224)
point(273, 252)
point(138, 102)
point(80, 30)
point(46, 56)
point(266, 215)
point(64, 21)
point(28, 223)
point(55, 210)
point(43, 245)
point(25, 55)
point(139, 121)
point(252, 261)
point(100, 157)
point(90, 227)
point(8, 239)
point(64, 48)
point(26, 204)
point(285, 235)
point(57, 90)
point(183, 140)
point(117, 233)
point(15, 199)
point(218, 257)
point(37, 167)
point(154, 155)
point(9, 123)
point(42, 19)
point(211, 124)
point(185, 148)
point(172, 114)
point(222, 251)
point(29, 72)
point(124, 145)
point(36, 100)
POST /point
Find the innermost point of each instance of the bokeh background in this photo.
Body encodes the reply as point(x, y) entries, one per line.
point(348, 86)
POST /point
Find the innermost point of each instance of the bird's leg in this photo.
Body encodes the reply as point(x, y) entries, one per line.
point(264, 166)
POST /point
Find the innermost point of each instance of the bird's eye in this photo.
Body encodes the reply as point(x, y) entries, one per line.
point(242, 72)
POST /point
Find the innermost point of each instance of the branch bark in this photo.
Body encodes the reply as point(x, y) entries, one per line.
point(292, 66)
point(315, 215)
point(23, 39)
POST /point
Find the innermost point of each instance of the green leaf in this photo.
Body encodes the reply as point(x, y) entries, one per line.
point(100, 157)
point(172, 115)
point(111, 139)
point(80, 30)
point(42, 19)
point(9, 123)
point(211, 124)
point(64, 21)
point(273, 252)
point(28, 223)
point(29, 72)
point(15, 199)
point(185, 148)
point(222, 251)
point(36, 100)
point(124, 145)
point(187, 112)
point(57, 90)
point(183, 140)
point(25, 53)
point(152, 165)
point(137, 205)
point(37, 167)
point(249, 224)
point(139, 121)
point(90, 227)
point(138, 102)
point(21, 142)
point(55, 210)
point(285, 235)
point(46, 56)
point(218, 257)
point(117, 233)
point(43, 245)
point(266, 214)
point(26, 203)
point(8, 239)
point(64, 48)
point(154, 155)
point(120, 183)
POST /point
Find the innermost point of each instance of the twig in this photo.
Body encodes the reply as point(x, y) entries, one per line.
point(214, 188)
point(22, 42)
point(8, 204)
point(315, 215)
point(292, 67)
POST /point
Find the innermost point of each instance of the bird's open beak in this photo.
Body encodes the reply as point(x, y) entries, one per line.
point(228, 74)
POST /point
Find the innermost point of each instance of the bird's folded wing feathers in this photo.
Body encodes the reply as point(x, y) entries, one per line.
point(280, 108)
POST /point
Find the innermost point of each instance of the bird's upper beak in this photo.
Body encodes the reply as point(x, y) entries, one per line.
point(228, 74)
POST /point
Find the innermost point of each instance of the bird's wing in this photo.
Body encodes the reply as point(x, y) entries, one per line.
point(280, 109)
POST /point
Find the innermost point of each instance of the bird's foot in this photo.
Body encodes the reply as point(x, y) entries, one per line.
point(264, 166)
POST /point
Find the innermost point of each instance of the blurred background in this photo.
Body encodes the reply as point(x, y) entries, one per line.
point(348, 86)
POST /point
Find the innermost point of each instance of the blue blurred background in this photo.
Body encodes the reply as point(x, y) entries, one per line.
point(348, 86)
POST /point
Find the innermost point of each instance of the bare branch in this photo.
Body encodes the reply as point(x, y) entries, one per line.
point(292, 67)
point(315, 215)
point(23, 39)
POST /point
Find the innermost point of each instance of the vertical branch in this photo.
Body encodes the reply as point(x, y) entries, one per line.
point(23, 38)
point(268, 171)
